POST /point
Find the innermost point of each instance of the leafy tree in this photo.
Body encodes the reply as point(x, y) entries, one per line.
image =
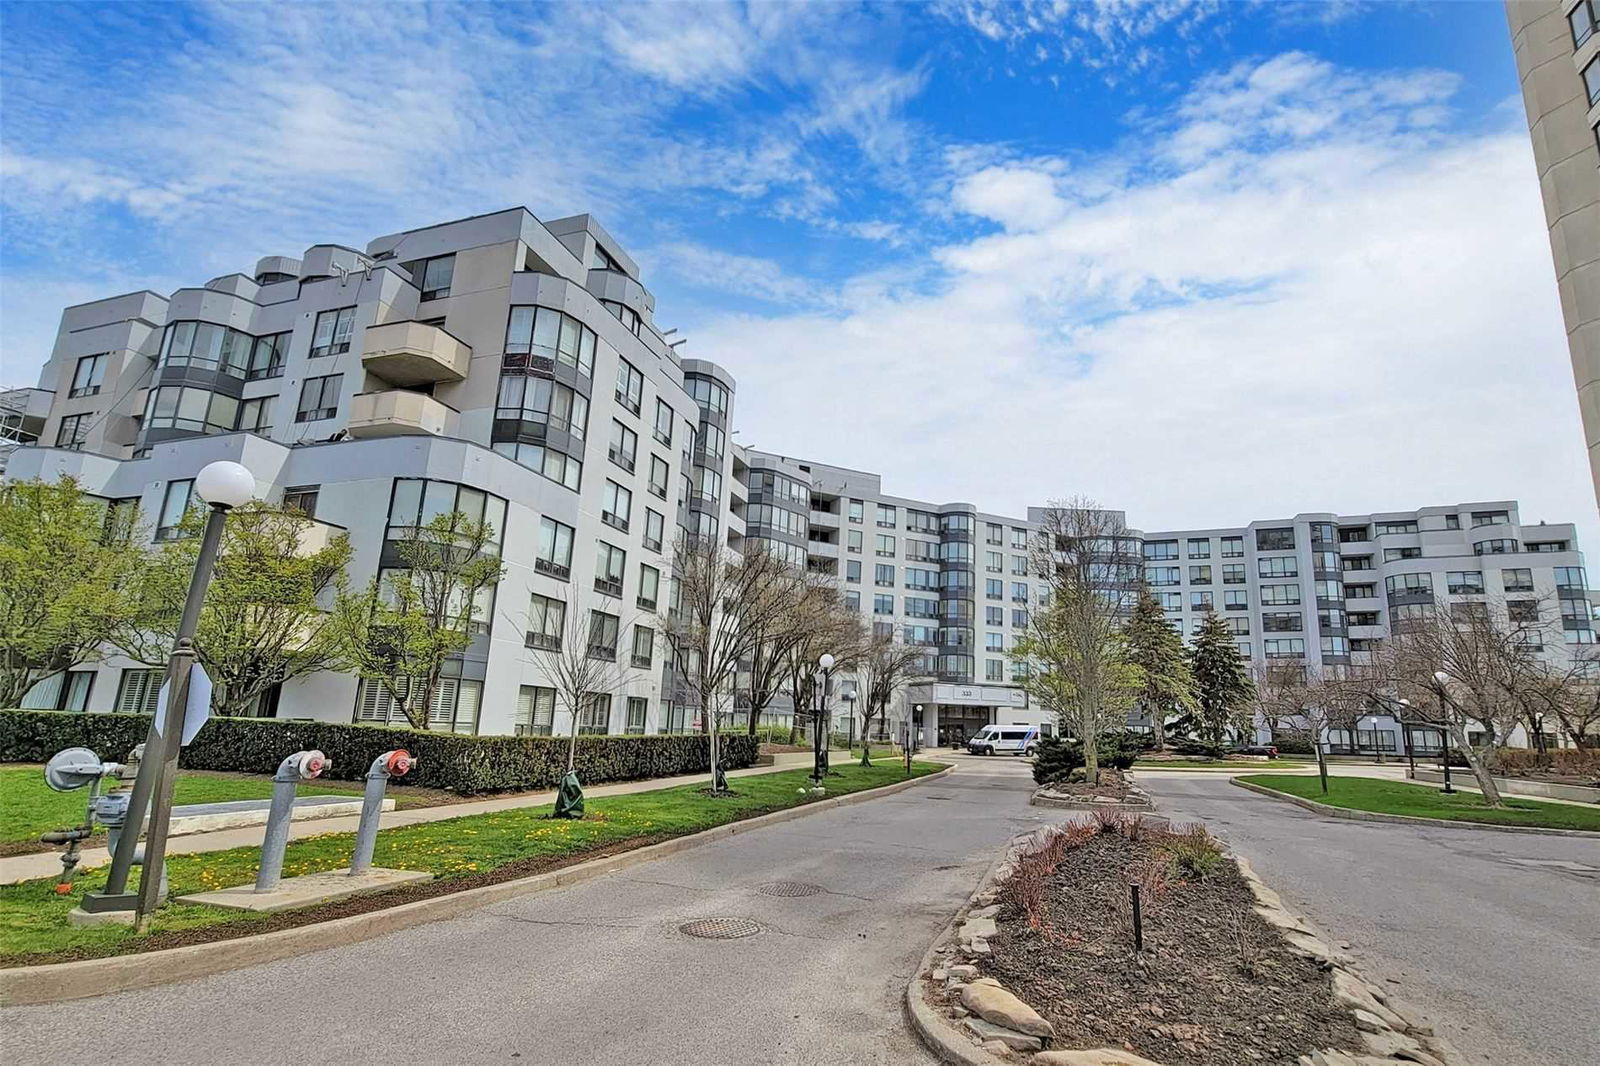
point(66, 573)
point(885, 668)
point(266, 617)
point(1074, 652)
point(1223, 690)
point(1166, 687)
point(409, 622)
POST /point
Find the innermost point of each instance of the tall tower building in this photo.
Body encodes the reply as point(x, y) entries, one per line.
point(1557, 45)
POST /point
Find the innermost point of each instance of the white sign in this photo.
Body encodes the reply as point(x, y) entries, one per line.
point(197, 714)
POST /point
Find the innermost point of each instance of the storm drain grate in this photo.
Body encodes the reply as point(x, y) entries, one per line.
point(789, 889)
point(720, 928)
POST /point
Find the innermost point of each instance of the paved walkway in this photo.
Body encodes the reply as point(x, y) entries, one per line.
point(48, 863)
point(1493, 934)
point(599, 973)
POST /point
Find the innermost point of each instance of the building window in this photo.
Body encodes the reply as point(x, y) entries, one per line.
point(1236, 600)
point(195, 410)
point(66, 691)
point(1495, 547)
point(994, 669)
point(1571, 577)
point(886, 516)
point(1200, 575)
point(319, 398)
point(1490, 518)
point(882, 604)
point(630, 386)
point(624, 447)
point(710, 395)
point(654, 530)
point(1233, 547)
point(885, 546)
point(857, 511)
point(331, 336)
point(548, 463)
point(302, 498)
point(1280, 595)
point(547, 334)
point(616, 506)
point(1278, 566)
point(137, 691)
point(555, 549)
point(174, 505)
point(1162, 575)
point(1238, 626)
point(1591, 80)
point(883, 575)
point(852, 570)
point(417, 501)
point(1391, 555)
point(594, 714)
point(1402, 584)
point(1201, 601)
point(994, 589)
point(1199, 547)
point(1284, 648)
point(1160, 549)
point(208, 347)
point(994, 616)
point(1233, 574)
point(547, 621)
point(91, 372)
point(267, 357)
point(611, 562)
point(1275, 540)
point(649, 587)
point(603, 632)
point(644, 643)
point(542, 403)
point(1464, 582)
point(1282, 622)
point(255, 415)
point(663, 426)
point(1019, 592)
point(536, 711)
point(1582, 21)
point(73, 431)
point(638, 709)
point(1407, 526)
point(433, 276)
point(993, 533)
point(1517, 580)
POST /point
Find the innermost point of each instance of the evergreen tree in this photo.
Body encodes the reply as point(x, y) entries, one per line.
point(1224, 692)
point(1166, 686)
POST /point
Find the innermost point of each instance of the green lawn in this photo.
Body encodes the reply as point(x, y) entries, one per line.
point(1425, 801)
point(29, 807)
point(33, 919)
point(1215, 764)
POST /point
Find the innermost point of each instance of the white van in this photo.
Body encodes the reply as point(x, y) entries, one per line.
point(1006, 739)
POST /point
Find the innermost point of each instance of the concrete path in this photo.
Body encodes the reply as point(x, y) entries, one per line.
point(1496, 935)
point(48, 863)
point(599, 973)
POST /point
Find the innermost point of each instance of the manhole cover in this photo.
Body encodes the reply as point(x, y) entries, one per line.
point(789, 888)
point(720, 928)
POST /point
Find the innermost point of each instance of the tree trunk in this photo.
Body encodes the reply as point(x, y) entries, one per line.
point(1322, 764)
point(1486, 785)
point(755, 715)
point(714, 754)
point(866, 743)
point(1158, 728)
point(1091, 760)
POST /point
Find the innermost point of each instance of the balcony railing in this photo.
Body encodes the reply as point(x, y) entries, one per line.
point(606, 652)
point(555, 570)
point(641, 661)
point(400, 413)
point(542, 641)
point(614, 520)
point(647, 603)
point(608, 586)
point(414, 353)
point(622, 460)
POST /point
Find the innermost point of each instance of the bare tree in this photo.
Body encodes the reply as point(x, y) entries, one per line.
point(809, 598)
point(1293, 701)
point(839, 632)
point(885, 668)
point(722, 602)
point(578, 654)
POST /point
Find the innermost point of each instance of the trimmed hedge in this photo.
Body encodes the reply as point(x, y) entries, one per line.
point(464, 764)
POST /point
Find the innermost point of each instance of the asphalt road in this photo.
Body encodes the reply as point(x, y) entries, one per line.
point(1495, 935)
point(599, 973)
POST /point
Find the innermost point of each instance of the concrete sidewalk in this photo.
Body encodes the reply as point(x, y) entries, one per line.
point(48, 863)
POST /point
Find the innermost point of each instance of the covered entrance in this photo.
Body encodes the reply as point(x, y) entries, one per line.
point(950, 714)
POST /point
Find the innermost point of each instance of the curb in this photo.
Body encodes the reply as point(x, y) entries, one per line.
point(947, 1044)
point(1407, 819)
point(63, 981)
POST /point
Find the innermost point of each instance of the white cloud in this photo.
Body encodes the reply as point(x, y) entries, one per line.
point(1110, 36)
point(1335, 312)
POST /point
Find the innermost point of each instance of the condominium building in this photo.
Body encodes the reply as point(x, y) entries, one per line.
point(464, 366)
point(1557, 45)
point(498, 365)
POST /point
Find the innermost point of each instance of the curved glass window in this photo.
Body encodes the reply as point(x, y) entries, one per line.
point(207, 346)
point(195, 410)
point(546, 333)
point(708, 394)
point(557, 466)
point(544, 402)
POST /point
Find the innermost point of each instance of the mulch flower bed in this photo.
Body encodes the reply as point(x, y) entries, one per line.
point(1113, 785)
point(1215, 985)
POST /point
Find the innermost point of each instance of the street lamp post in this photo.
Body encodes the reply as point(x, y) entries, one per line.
point(850, 716)
point(1405, 735)
point(224, 485)
point(1444, 727)
point(818, 744)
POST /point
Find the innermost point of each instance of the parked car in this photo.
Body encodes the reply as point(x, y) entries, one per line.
point(1257, 749)
point(1010, 740)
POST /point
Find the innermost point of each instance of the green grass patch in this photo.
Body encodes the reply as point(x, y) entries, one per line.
point(29, 807)
point(1216, 764)
point(33, 918)
point(1424, 801)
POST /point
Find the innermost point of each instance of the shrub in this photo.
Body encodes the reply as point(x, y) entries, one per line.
point(1118, 749)
point(465, 764)
point(1192, 853)
point(1578, 761)
point(1293, 742)
point(1200, 749)
point(1054, 758)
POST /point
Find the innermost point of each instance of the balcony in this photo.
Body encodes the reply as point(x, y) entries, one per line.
point(556, 570)
point(411, 353)
point(399, 413)
point(542, 641)
point(608, 587)
point(641, 661)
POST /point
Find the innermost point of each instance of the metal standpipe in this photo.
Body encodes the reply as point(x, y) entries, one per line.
point(301, 766)
point(389, 764)
point(110, 809)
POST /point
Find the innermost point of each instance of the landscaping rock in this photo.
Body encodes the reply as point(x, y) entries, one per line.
point(995, 1047)
point(986, 1031)
point(1396, 1046)
point(939, 975)
point(1368, 1022)
point(1309, 946)
point(1099, 1057)
point(977, 928)
point(987, 998)
point(1354, 993)
point(963, 972)
point(984, 912)
point(1332, 1057)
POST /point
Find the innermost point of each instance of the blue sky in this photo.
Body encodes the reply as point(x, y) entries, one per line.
point(1207, 262)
